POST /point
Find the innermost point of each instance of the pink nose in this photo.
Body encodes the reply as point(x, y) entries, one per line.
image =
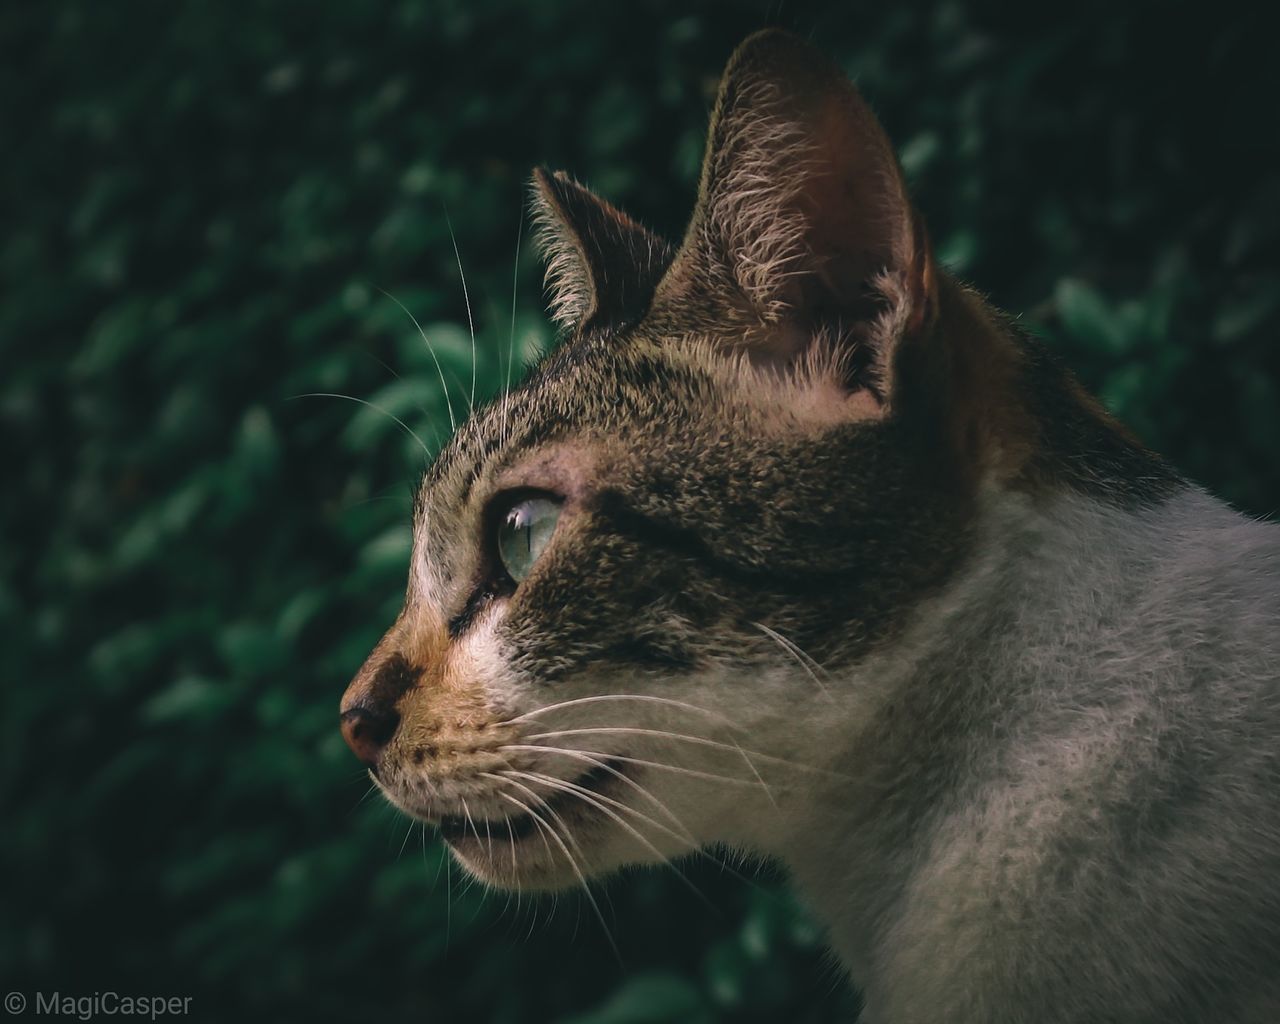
point(368, 731)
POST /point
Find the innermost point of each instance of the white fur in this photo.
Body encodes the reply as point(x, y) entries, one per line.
point(566, 280)
point(767, 157)
point(1134, 634)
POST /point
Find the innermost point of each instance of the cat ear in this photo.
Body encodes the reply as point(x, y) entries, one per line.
point(803, 214)
point(602, 267)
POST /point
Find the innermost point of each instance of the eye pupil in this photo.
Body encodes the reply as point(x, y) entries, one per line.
point(524, 534)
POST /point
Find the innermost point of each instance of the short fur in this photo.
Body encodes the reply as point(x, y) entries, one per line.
point(849, 573)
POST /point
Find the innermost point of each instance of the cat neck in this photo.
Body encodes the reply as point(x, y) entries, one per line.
point(1003, 694)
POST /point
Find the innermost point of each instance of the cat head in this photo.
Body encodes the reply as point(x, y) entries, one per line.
point(643, 580)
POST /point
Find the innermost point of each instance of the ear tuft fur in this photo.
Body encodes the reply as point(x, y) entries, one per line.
point(601, 266)
point(565, 277)
point(753, 212)
point(803, 217)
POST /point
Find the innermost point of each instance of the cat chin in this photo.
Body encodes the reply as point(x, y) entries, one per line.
point(523, 870)
point(537, 863)
point(572, 830)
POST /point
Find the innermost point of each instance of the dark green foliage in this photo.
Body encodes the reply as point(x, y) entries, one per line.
point(202, 203)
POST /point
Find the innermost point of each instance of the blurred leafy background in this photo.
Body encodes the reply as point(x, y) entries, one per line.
point(209, 208)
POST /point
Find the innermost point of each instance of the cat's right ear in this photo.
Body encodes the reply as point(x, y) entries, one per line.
point(601, 266)
point(803, 225)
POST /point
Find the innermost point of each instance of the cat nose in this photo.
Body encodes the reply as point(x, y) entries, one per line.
point(369, 717)
point(367, 731)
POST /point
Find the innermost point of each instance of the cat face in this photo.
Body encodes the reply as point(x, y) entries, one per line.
point(647, 584)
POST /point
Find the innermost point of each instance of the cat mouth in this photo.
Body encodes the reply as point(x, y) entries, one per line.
point(556, 807)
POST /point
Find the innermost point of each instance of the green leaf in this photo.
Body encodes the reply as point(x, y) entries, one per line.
point(1088, 318)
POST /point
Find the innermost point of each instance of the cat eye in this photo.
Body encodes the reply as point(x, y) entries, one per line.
point(524, 532)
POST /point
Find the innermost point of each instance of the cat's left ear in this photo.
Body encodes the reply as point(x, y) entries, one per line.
point(601, 266)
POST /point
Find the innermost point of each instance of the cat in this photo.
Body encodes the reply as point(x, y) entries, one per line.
point(795, 544)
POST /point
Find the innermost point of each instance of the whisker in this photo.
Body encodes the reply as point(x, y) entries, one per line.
point(687, 836)
point(588, 796)
point(367, 793)
point(376, 408)
point(448, 903)
point(542, 835)
point(573, 864)
point(696, 847)
point(596, 762)
point(662, 765)
point(683, 737)
point(453, 423)
point(752, 765)
point(405, 841)
point(792, 648)
point(598, 801)
point(471, 401)
point(533, 917)
point(665, 701)
point(466, 813)
point(643, 697)
point(511, 341)
point(435, 434)
point(565, 830)
point(440, 861)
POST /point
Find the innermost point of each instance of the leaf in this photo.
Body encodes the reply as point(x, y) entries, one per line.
point(1088, 318)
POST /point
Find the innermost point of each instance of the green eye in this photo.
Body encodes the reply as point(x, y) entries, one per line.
point(524, 532)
